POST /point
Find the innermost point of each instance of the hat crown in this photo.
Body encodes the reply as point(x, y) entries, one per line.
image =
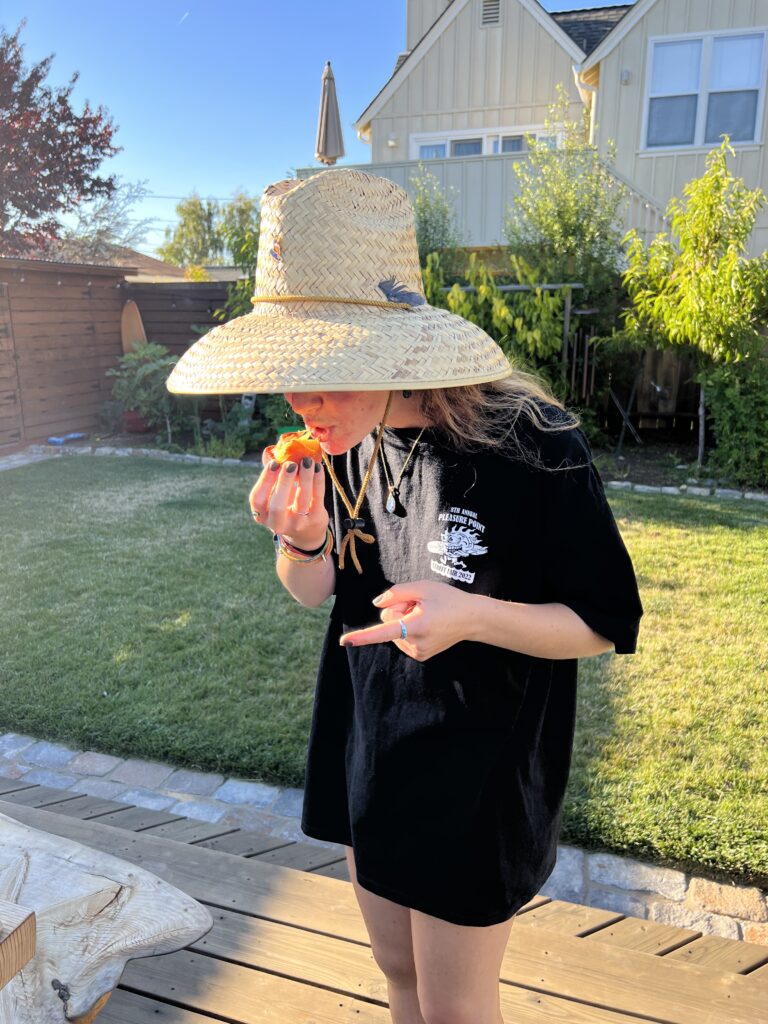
point(339, 233)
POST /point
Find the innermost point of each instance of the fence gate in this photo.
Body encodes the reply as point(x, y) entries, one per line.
point(11, 423)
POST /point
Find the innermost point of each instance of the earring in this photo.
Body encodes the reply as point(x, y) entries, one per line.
point(407, 394)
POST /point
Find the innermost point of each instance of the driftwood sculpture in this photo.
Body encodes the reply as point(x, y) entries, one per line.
point(94, 912)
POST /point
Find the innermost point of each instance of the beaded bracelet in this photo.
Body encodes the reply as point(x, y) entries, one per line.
point(282, 547)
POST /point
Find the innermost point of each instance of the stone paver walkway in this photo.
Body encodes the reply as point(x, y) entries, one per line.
point(205, 796)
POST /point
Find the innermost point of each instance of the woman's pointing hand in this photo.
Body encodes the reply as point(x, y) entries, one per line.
point(435, 615)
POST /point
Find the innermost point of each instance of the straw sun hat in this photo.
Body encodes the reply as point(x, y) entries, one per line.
point(338, 303)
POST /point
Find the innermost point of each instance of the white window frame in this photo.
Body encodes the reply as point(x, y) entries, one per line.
point(418, 139)
point(705, 69)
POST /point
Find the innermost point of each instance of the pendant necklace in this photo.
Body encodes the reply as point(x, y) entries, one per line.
point(393, 488)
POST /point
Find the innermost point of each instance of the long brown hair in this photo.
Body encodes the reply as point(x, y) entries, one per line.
point(477, 416)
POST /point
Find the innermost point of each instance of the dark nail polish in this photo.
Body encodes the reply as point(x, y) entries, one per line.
point(306, 461)
point(290, 467)
point(318, 466)
point(274, 466)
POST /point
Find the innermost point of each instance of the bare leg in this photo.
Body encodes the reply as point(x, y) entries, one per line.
point(458, 970)
point(389, 929)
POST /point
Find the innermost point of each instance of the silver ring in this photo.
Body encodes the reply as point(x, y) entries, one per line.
point(403, 630)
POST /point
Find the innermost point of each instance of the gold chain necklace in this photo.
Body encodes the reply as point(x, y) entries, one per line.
point(393, 489)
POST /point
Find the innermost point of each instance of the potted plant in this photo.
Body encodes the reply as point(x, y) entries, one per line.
point(139, 385)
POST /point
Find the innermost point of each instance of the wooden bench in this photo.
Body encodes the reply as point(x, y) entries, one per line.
point(289, 945)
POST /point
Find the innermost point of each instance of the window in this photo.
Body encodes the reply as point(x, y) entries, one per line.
point(702, 88)
point(466, 147)
point(473, 142)
point(510, 144)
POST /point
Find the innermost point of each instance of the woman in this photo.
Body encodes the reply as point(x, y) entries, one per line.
point(473, 557)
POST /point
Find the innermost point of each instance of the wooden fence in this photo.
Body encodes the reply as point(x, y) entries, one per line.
point(170, 311)
point(60, 332)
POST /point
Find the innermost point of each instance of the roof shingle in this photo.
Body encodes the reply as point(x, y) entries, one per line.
point(588, 28)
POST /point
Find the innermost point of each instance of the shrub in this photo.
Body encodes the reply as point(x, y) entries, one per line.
point(565, 221)
point(528, 326)
point(738, 401)
point(697, 287)
point(436, 227)
point(139, 383)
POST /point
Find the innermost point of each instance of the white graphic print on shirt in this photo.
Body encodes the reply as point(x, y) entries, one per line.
point(457, 543)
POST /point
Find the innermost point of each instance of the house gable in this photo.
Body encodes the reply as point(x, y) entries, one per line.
point(588, 28)
point(410, 62)
point(612, 40)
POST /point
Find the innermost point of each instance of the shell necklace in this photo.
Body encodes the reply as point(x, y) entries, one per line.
point(393, 491)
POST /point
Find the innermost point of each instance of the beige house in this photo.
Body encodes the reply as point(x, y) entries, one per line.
point(663, 79)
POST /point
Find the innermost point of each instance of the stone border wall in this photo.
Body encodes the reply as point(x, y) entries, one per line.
point(659, 894)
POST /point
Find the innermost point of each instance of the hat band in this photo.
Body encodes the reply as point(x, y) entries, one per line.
point(382, 303)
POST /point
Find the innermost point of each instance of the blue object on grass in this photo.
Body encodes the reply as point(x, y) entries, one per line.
point(65, 438)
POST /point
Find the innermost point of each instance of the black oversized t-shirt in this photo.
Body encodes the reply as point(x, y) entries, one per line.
point(447, 776)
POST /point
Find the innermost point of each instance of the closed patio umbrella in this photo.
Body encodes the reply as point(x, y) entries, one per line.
point(330, 145)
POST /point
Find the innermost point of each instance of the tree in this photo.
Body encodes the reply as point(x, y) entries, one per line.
point(196, 239)
point(240, 223)
point(208, 233)
point(696, 287)
point(565, 221)
point(48, 153)
point(436, 228)
point(103, 225)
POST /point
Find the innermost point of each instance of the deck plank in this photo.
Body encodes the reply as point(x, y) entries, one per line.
point(39, 796)
point(188, 830)
point(130, 1008)
point(535, 959)
point(302, 856)
point(135, 819)
point(645, 936)
point(570, 918)
point(245, 843)
point(722, 954)
point(14, 785)
point(87, 807)
point(339, 869)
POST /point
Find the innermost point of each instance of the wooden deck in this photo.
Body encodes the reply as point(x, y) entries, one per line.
point(289, 945)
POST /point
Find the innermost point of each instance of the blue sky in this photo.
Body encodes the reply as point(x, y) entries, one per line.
point(216, 97)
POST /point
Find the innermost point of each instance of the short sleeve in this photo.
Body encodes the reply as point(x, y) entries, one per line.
point(587, 565)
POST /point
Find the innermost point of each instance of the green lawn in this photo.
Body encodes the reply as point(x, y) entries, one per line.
point(141, 616)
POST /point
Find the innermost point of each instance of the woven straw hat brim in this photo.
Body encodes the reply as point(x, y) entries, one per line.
point(328, 347)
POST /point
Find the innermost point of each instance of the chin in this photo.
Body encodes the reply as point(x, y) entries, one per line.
point(334, 447)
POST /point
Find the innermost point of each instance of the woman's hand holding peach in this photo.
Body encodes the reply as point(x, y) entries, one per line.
point(288, 499)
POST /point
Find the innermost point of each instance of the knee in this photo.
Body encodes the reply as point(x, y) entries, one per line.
point(396, 965)
point(437, 1010)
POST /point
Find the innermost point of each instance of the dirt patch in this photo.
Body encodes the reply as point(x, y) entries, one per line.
point(661, 465)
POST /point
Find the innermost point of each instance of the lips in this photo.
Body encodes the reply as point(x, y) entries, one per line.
point(318, 432)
